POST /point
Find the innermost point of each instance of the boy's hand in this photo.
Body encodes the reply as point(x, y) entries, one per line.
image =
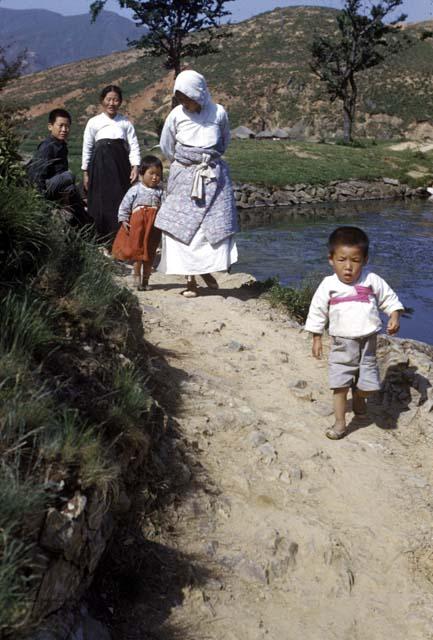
point(393, 323)
point(317, 346)
point(126, 226)
point(85, 181)
point(133, 176)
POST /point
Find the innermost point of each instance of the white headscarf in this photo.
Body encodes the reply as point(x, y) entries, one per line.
point(193, 85)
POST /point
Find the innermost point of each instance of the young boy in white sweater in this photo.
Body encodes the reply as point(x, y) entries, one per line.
point(350, 301)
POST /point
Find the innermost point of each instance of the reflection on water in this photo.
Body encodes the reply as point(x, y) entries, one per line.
point(401, 251)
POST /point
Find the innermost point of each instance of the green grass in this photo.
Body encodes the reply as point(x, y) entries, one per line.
point(272, 162)
point(68, 411)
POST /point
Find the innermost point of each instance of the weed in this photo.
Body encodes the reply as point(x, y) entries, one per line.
point(296, 301)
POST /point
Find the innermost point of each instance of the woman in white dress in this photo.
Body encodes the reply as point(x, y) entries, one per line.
point(198, 216)
point(111, 156)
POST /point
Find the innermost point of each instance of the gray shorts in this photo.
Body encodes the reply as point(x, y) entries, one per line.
point(352, 362)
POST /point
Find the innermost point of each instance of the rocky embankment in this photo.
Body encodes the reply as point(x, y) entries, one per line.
point(271, 530)
point(250, 195)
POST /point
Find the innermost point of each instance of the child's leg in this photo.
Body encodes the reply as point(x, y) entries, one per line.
point(340, 397)
point(137, 272)
point(359, 404)
point(339, 429)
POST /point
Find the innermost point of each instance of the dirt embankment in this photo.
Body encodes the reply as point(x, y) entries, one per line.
point(277, 532)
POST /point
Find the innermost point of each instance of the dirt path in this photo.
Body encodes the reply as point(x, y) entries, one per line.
point(289, 535)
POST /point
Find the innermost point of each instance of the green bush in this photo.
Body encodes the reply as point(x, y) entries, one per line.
point(295, 300)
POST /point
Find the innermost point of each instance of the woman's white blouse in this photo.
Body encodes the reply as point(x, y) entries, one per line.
point(102, 126)
point(208, 129)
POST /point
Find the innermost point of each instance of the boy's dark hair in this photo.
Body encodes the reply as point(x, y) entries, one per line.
point(147, 162)
point(108, 89)
point(350, 237)
point(59, 113)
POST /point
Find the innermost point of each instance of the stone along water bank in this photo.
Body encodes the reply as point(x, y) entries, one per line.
point(249, 195)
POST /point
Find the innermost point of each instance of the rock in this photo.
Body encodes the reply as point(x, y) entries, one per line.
point(391, 181)
point(303, 394)
point(59, 583)
point(242, 133)
point(323, 409)
point(251, 572)
point(298, 384)
point(257, 438)
point(234, 345)
point(267, 452)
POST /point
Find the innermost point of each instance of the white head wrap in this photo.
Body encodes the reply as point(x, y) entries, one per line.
point(193, 85)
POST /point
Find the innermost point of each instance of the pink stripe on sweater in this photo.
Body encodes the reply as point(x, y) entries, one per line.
point(362, 295)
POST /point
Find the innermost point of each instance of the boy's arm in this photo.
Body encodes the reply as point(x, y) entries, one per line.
point(318, 317)
point(39, 168)
point(317, 349)
point(388, 302)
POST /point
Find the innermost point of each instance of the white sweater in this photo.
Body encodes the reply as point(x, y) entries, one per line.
point(102, 126)
point(352, 318)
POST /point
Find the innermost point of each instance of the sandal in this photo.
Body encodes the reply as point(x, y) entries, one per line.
point(210, 281)
point(191, 289)
point(333, 434)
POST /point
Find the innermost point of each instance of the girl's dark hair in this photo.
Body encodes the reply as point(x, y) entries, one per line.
point(109, 89)
point(349, 237)
point(147, 162)
point(58, 113)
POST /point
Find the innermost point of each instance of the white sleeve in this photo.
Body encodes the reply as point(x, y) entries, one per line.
point(225, 130)
point(318, 313)
point(134, 147)
point(387, 299)
point(88, 144)
point(167, 141)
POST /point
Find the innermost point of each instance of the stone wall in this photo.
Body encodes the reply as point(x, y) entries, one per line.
point(249, 195)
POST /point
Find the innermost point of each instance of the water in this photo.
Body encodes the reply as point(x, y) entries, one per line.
point(401, 251)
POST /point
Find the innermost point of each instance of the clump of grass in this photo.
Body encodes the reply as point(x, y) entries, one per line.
point(77, 449)
point(26, 233)
point(25, 324)
point(17, 576)
point(295, 300)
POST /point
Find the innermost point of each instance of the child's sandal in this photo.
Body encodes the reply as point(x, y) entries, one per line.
point(333, 434)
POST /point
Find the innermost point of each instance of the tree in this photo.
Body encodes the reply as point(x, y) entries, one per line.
point(170, 25)
point(362, 41)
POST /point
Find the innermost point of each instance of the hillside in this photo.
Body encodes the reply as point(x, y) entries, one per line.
point(52, 39)
point(261, 74)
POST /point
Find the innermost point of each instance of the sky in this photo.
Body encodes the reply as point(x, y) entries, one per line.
point(241, 9)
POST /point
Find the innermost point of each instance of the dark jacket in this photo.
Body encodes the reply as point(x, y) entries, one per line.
point(50, 159)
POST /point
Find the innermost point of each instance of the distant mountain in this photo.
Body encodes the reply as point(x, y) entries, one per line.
point(52, 39)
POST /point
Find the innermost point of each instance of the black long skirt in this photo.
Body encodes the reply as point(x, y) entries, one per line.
point(109, 172)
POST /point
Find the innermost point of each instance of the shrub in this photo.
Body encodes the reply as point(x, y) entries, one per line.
point(296, 300)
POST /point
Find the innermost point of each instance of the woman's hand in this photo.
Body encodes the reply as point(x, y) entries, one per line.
point(85, 181)
point(134, 175)
point(126, 226)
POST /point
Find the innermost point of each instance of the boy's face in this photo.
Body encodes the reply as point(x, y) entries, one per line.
point(60, 128)
point(347, 263)
point(151, 177)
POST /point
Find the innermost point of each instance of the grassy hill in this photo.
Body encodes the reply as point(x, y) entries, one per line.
point(261, 74)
